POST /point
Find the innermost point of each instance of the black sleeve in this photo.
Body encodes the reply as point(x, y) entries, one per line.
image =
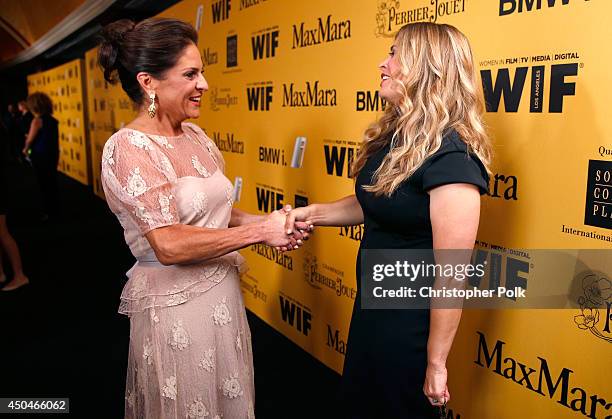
point(456, 167)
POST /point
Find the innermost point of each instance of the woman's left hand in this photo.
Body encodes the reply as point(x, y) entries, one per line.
point(435, 387)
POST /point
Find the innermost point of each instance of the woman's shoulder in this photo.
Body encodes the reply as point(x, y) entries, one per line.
point(190, 126)
point(451, 142)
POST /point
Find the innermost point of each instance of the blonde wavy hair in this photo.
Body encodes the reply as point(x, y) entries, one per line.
point(438, 88)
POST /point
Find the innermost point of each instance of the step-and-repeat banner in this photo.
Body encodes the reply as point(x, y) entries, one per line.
point(292, 88)
point(64, 85)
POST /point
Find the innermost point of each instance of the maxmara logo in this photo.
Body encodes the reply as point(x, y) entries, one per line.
point(245, 4)
point(311, 95)
point(274, 255)
point(228, 142)
point(596, 306)
point(210, 57)
point(352, 232)
point(335, 341)
point(392, 15)
point(503, 187)
point(538, 376)
point(508, 7)
point(325, 30)
point(332, 278)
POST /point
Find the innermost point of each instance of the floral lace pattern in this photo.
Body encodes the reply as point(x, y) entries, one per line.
point(147, 352)
point(221, 313)
point(162, 141)
point(108, 151)
point(136, 185)
point(138, 285)
point(179, 338)
point(231, 387)
point(208, 362)
point(139, 140)
point(199, 203)
point(164, 204)
point(197, 409)
point(169, 390)
point(195, 161)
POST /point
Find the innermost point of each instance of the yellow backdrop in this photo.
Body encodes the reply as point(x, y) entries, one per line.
point(280, 72)
point(64, 85)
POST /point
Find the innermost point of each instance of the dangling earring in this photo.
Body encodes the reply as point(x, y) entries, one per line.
point(152, 108)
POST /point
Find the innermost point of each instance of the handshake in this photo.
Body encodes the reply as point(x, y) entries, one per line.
point(287, 228)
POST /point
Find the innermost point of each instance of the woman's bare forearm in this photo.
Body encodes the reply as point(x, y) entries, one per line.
point(343, 212)
point(443, 326)
point(240, 218)
point(180, 243)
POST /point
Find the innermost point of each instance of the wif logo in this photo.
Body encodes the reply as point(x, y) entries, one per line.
point(296, 315)
point(259, 96)
point(512, 91)
point(508, 7)
point(221, 10)
point(338, 159)
point(515, 262)
point(264, 44)
point(269, 199)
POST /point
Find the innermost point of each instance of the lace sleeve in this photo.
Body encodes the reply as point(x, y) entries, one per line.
point(137, 177)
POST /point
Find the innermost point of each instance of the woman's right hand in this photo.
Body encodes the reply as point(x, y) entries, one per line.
point(298, 218)
point(275, 233)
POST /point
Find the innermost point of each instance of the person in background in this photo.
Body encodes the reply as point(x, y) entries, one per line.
point(13, 136)
point(418, 176)
point(24, 120)
point(42, 147)
point(7, 242)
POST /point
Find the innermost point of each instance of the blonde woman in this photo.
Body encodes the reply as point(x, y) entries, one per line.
point(419, 176)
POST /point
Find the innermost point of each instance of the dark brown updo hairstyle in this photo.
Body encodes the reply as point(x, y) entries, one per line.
point(152, 46)
point(40, 104)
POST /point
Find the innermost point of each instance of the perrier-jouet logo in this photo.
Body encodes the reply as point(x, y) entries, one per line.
point(597, 299)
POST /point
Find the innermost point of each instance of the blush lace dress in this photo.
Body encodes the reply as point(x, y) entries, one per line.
point(190, 345)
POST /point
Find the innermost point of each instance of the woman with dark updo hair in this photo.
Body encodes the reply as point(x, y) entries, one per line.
point(190, 345)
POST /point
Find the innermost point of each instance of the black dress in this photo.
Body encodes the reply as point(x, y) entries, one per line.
point(45, 157)
point(386, 358)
